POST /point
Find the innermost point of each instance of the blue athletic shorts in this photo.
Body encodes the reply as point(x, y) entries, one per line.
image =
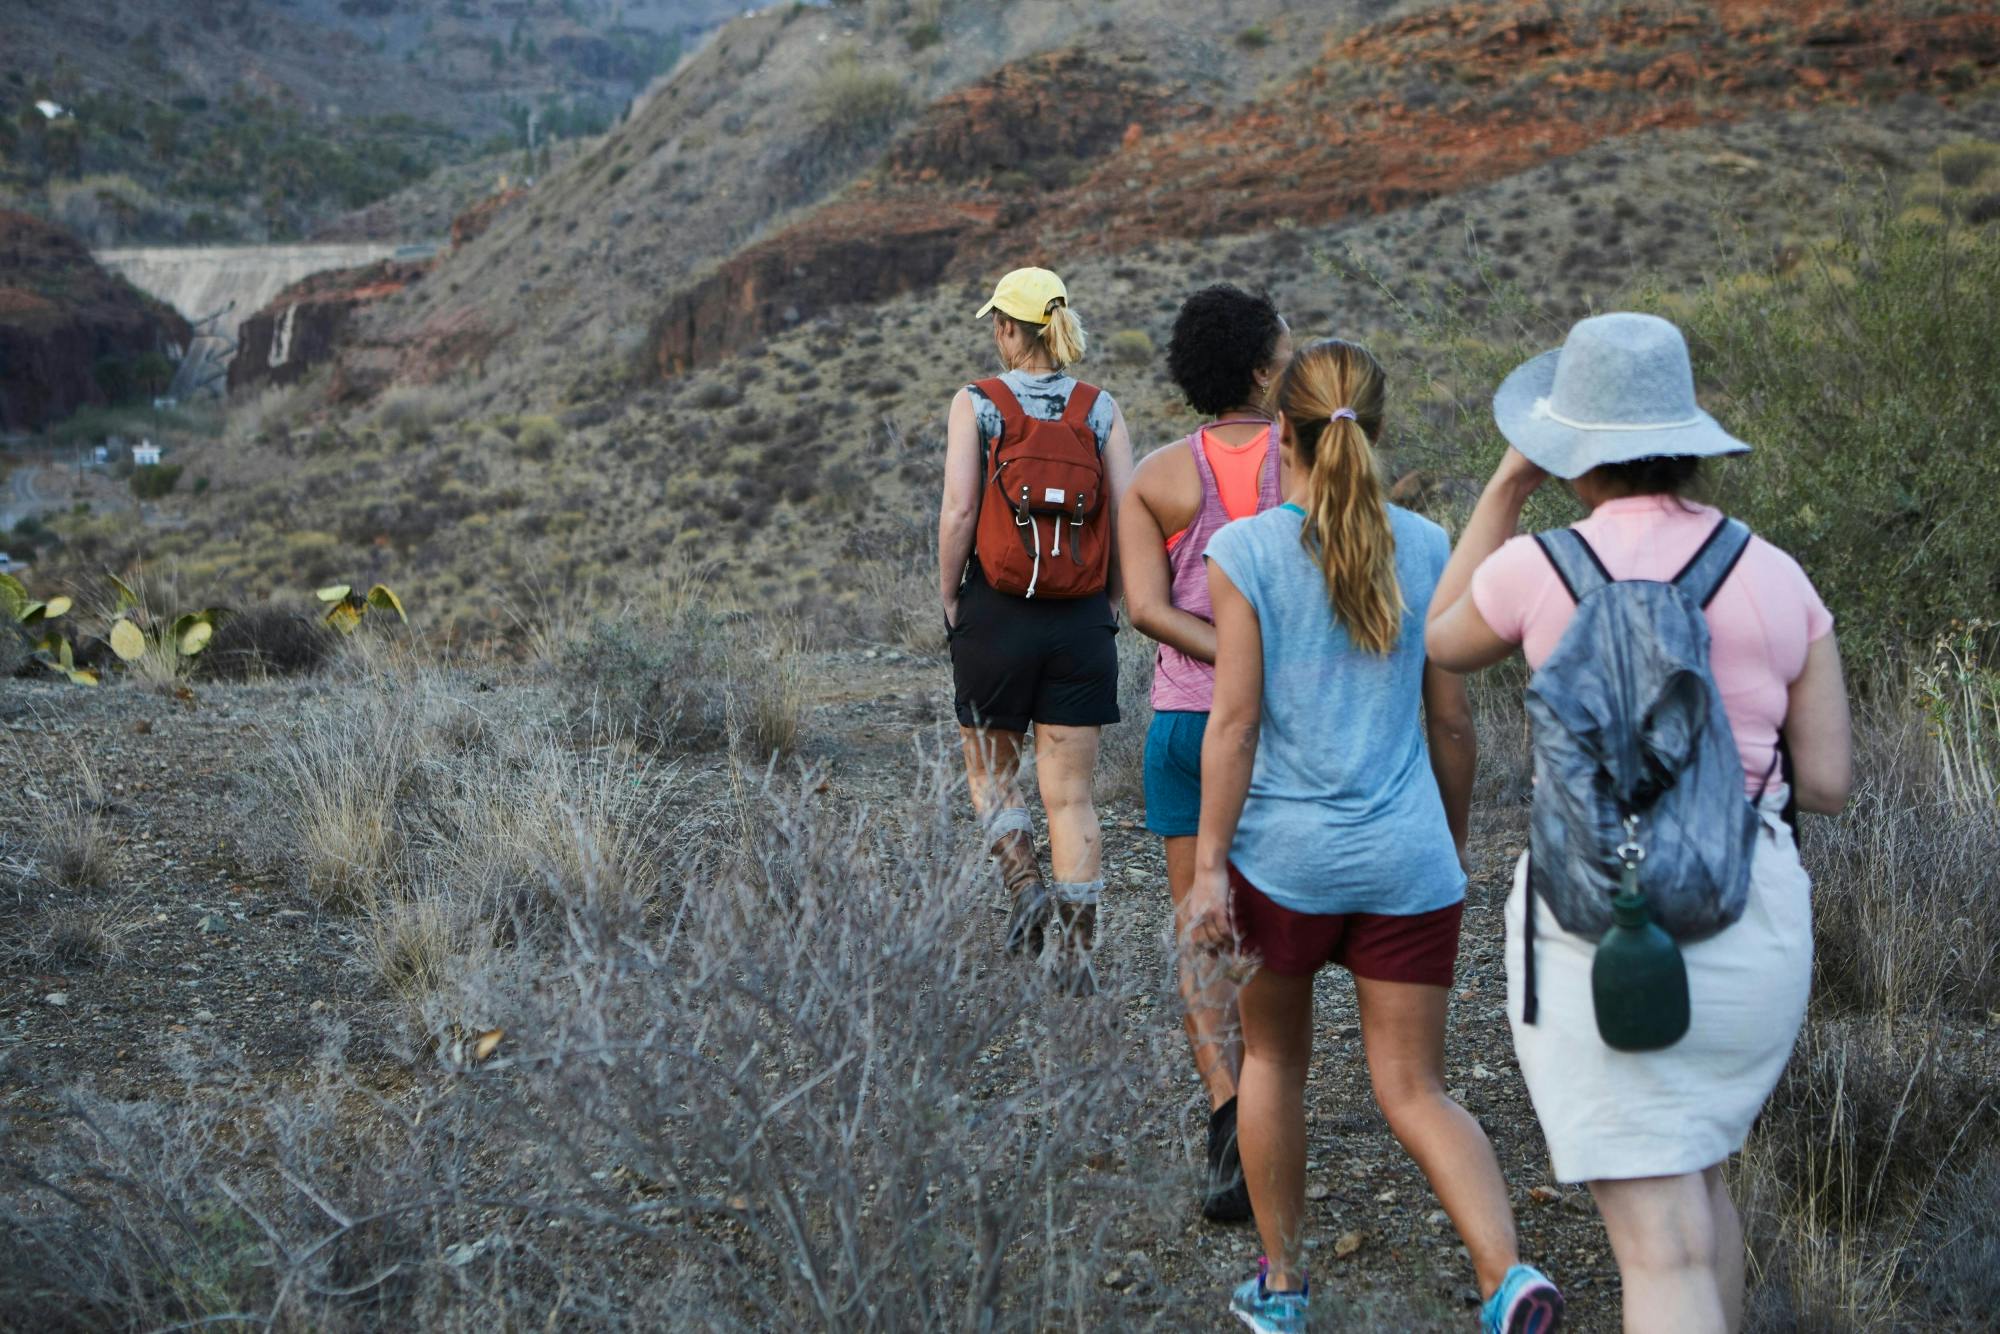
point(1173, 773)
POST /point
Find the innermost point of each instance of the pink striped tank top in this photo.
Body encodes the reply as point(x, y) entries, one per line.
point(1181, 683)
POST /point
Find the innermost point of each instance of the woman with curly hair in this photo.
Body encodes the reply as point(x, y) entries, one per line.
point(1227, 350)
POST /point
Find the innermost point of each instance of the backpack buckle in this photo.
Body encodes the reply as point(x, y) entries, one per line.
point(1630, 852)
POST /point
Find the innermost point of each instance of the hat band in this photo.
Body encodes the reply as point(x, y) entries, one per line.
point(1545, 410)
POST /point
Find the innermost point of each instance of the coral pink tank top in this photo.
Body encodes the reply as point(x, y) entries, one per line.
point(1235, 484)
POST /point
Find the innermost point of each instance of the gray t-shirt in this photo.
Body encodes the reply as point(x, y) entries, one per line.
point(1043, 397)
point(1344, 814)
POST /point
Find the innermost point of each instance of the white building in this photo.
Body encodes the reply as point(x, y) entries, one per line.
point(145, 454)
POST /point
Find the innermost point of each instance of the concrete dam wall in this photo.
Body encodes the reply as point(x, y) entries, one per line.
point(218, 287)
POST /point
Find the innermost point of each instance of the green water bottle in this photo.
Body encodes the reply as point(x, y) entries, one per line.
point(1638, 979)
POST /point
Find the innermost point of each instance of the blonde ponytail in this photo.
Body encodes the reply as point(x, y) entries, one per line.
point(1063, 335)
point(1332, 397)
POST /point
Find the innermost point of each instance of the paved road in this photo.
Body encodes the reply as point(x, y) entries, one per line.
point(23, 498)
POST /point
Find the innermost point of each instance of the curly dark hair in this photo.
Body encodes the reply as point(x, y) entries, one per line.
point(1221, 337)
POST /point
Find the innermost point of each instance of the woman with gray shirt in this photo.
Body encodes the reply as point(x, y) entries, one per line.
point(1043, 655)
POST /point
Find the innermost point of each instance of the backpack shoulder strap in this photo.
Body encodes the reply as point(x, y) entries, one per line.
point(1082, 399)
point(1703, 576)
point(1581, 572)
point(1003, 400)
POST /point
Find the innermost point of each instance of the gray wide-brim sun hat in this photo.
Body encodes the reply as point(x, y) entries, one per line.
point(1620, 388)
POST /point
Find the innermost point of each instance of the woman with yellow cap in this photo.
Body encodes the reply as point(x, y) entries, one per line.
point(1035, 462)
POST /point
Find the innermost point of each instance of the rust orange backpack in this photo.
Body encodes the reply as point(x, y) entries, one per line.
point(1044, 529)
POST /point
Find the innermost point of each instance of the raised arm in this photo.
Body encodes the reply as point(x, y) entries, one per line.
point(958, 513)
point(1228, 754)
point(1454, 748)
point(1819, 732)
point(1142, 556)
point(1456, 636)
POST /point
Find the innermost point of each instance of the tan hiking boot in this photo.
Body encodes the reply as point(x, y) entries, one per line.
point(1021, 875)
point(1068, 958)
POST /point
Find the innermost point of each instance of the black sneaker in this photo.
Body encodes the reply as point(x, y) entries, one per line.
point(1227, 1197)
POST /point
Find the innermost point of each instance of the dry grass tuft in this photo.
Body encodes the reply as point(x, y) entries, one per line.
point(78, 852)
point(796, 1092)
point(1121, 759)
point(1901, 882)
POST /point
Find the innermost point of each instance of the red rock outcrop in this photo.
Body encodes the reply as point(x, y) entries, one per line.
point(482, 215)
point(838, 260)
point(1052, 111)
point(62, 317)
point(1392, 115)
point(304, 325)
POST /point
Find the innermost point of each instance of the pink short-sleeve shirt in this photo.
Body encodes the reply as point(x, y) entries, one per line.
point(1763, 619)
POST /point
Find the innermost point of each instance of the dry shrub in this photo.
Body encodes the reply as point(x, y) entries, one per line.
point(78, 852)
point(408, 412)
point(806, 1092)
point(685, 674)
point(1902, 881)
point(341, 773)
point(1121, 756)
point(265, 642)
point(900, 605)
point(1960, 1276)
point(1506, 773)
point(770, 682)
point(419, 943)
point(72, 939)
point(1865, 1127)
point(1884, 1106)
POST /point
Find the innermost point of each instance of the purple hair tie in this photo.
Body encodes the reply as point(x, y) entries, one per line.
point(1343, 414)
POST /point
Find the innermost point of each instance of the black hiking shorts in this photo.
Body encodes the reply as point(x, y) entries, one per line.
point(1016, 661)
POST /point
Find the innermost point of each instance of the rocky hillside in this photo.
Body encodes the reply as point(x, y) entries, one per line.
point(201, 120)
point(609, 376)
point(781, 111)
point(73, 334)
point(763, 186)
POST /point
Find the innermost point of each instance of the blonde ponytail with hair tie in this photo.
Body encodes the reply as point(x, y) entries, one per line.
point(1339, 387)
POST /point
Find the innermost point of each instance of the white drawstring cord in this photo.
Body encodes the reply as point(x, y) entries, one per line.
point(1037, 572)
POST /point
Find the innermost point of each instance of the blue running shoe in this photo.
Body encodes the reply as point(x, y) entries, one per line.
point(1525, 1303)
point(1270, 1312)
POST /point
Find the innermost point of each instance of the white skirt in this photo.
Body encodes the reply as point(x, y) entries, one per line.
point(1609, 1115)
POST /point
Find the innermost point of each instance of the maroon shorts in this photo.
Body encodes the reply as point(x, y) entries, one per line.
point(1421, 948)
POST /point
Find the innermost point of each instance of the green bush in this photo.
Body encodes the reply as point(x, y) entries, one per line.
point(1864, 379)
point(1254, 38)
point(154, 480)
point(1129, 347)
point(922, 36)
point(855, 103)
point(538, 437)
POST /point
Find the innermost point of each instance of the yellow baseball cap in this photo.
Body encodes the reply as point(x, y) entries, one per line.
point(1026, 295)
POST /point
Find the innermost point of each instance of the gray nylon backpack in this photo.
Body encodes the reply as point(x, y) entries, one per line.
point(1628, 721)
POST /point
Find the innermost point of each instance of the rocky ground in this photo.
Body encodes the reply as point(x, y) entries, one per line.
point(199, 937)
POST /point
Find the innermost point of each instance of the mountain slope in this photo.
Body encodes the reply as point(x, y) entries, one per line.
point(213, 119)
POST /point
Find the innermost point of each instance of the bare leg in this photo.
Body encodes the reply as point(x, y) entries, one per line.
point(1271, 1116)
point(992, 769)
point(1664, 1236)
point(1210, 997)
point(1730, 1255)
point(1402, 1028)
point(1065, 763)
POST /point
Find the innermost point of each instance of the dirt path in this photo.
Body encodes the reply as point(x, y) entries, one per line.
point(1409, 1269)
point(215, 946)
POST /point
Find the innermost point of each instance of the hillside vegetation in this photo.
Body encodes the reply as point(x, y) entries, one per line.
point(230, 120)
